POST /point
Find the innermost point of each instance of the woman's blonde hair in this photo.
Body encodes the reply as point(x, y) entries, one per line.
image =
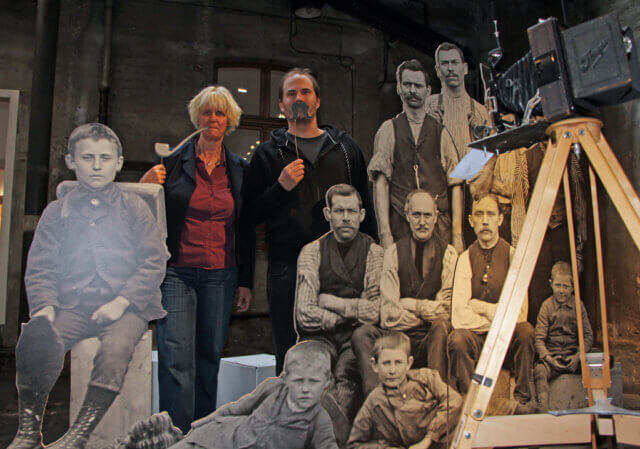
point(219, 98)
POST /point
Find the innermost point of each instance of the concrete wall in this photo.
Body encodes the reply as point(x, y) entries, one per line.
point(164, 51)
point(162, 54)
point(17, 31)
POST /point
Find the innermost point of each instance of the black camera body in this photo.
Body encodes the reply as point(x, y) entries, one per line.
point(566, 72)
point(583, 67)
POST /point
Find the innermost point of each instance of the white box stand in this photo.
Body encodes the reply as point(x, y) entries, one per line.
point(241, 375)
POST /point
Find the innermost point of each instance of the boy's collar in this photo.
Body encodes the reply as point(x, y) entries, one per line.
point(569, 303)
point(108, 194)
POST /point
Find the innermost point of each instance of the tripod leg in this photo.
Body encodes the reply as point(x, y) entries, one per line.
point(614, 180)
point(606, 373)
point(514, 291)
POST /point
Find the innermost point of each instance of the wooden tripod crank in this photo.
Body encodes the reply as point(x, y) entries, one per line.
point(473, 429)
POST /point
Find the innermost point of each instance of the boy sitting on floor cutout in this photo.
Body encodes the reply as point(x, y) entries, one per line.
point(557, 333)
point(409, 408)
point(282, 412)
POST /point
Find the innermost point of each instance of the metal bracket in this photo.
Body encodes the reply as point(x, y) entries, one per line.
point(482, 380)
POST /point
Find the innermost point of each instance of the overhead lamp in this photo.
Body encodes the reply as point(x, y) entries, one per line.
point(242, 90)
point(307, 9)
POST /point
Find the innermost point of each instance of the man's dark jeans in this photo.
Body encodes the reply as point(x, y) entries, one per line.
point(281, 292)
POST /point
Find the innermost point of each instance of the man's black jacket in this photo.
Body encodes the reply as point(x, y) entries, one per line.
point(295, 218)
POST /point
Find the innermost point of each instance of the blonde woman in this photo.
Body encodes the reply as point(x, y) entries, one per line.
point(212, 258)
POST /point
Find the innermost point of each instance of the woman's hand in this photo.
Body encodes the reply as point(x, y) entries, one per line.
point(155, 175)
point(243, 298)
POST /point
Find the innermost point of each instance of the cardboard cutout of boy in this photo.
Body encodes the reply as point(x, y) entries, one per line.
point(557, 333)
point(282, 412)
point(409, 408)
point(94, 270)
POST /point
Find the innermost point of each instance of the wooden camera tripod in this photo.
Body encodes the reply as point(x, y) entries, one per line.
point(474, 430)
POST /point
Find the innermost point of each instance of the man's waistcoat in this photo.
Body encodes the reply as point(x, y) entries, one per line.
point(412, 285)
point(343, 277)
point(493, 262)
point(426, 154)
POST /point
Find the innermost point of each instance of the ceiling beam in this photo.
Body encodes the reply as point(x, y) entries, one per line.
point(398, 26)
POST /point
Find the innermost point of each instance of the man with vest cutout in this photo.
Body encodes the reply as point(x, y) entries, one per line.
point(413, 151)
point(415, 288)
point(454, 108)
point(338, 289)
point(480, 275)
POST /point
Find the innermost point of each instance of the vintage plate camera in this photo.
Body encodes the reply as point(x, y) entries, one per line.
point(567, 72)
point(584, 67)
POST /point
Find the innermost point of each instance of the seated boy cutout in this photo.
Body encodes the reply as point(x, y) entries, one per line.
point(409, 408)
point(557, 333)
point(94, 270)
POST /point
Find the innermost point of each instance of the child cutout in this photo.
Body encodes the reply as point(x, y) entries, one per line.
point(282, 412)
point(409, 408)
point(94, 270)
point(557, 333)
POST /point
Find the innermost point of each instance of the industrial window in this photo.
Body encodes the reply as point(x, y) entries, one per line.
point(255, 88)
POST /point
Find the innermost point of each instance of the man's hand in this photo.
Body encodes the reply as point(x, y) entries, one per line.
point(554, 363)
point(48, 311)
point(110, 311)
point(326, 300)
point(291, 175)
point(155, 175)
point(458, 243)
point(424, 444)
point(386, 239)
point(573, 362)
point(243, 298)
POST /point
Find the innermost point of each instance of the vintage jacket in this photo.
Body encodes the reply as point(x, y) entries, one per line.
point(110, 234)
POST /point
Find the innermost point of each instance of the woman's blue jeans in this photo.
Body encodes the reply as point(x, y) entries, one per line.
point(191, 339)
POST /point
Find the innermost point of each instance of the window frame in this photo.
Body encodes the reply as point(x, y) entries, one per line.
point(264, 122)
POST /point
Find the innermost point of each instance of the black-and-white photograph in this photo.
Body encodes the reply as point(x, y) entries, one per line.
point(319, 224)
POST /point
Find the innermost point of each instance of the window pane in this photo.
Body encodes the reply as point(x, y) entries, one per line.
point(244, 85)
point(274, 110)
point(243, 142)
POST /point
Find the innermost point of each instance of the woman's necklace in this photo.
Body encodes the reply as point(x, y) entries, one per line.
point(212, 162)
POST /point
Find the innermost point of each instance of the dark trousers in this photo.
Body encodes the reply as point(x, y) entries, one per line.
point(465, 347)
point(118, 340)
point(345, 388)
point(191, 339)
point(281, 292)
point(428, 348)
point(543, 374)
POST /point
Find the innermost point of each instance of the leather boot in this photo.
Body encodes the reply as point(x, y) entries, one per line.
point(95, 405)
point(31, 409)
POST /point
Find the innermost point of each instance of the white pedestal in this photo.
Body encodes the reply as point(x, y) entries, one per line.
point(241, 375)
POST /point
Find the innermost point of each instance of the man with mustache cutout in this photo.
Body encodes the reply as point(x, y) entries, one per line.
point(415, 289)
point(285, 188)
point(480, 275)
point(410, 151)
point(338, 290)
point(456, 110)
